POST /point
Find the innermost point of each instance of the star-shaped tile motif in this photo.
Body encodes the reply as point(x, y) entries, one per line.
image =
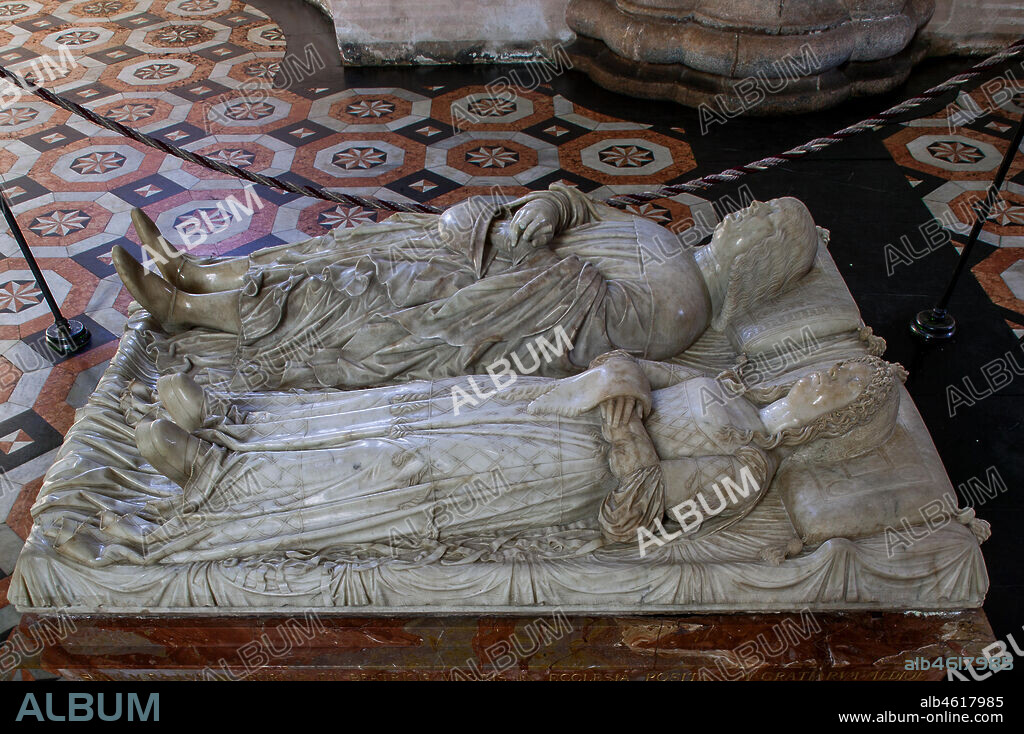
point(60, 222)
point(100, 161)
point(359, 158)
point(17, 295)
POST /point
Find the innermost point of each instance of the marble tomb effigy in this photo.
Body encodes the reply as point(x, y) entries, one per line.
point(510, 406)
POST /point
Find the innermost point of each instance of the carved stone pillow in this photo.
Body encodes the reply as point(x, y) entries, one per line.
point(820, 303)
point(889, 487)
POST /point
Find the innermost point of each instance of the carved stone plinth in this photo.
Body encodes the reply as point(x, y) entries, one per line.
point(747, 57)
point(548, 646)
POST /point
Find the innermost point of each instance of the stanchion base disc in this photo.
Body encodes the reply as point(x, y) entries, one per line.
point(61, 343)
point(934, 325)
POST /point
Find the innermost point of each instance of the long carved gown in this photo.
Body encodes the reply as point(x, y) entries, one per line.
point(395, 465)
point(426, 297)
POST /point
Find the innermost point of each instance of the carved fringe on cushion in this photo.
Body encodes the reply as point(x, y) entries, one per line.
point(875, 344)
point(982, 529)
point(636, 503)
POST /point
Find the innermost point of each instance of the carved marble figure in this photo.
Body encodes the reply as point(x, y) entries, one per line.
point(598, 449)
point(284, 431)
point(427, 296)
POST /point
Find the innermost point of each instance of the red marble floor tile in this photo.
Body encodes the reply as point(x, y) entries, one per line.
point(901, 154)
point(7, 160)
point(136, 108)
point(492, 108)
point(71, 35)
point(83, 9)
point(989, 273)
point(224, 208)
point(90, 358)
point(994, 97)
point(323, 216)
point(358, 159)
point(491, 157)
point(9, 376)
point(666, 212)
point(63, 223)
point(247, 154)
point(123, 300)
point(233, 114)
point(51, 403)
point(264, 67)
point(5, 584)
point(54, 75)
point(83, 284)
point(627, 157)
point(97, 159)
point(156, 71)
point(18, 519)
point(10, 440)
point(1006, 217)
point(363, 109)
point(464, 192)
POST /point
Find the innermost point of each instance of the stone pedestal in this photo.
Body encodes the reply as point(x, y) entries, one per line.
point(385, 32)
point(973, 26)
point(745, 56)
point(549, 646)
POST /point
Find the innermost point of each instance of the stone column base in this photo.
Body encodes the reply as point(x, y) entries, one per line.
point(728, 97)
point(748, 57)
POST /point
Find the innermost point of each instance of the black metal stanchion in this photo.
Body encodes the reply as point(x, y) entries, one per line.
point(64, 336)
point(937, 323)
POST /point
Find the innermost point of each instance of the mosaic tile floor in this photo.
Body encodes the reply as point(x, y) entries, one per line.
point(173, 68)
point(950, 160)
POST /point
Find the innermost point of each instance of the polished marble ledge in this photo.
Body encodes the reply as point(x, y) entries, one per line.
point(546, 646)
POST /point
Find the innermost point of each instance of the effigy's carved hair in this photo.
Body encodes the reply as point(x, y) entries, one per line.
point(856, 428)
point(772, 265)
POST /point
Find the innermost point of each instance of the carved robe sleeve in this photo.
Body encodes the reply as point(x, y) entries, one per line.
point(572, 207)
point(639, 498)
point(635, 503)
point(705, 494)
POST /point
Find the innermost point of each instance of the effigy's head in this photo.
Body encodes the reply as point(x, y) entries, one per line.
point(765, 249)
point(837, 412)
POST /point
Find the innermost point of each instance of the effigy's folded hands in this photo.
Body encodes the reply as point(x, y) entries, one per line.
point(614, 378)
point(534, 224)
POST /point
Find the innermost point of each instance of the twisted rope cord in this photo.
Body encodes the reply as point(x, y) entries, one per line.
point(619, 200)
point(202, 160)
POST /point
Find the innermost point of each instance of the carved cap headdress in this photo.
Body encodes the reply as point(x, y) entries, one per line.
point(860, 426)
